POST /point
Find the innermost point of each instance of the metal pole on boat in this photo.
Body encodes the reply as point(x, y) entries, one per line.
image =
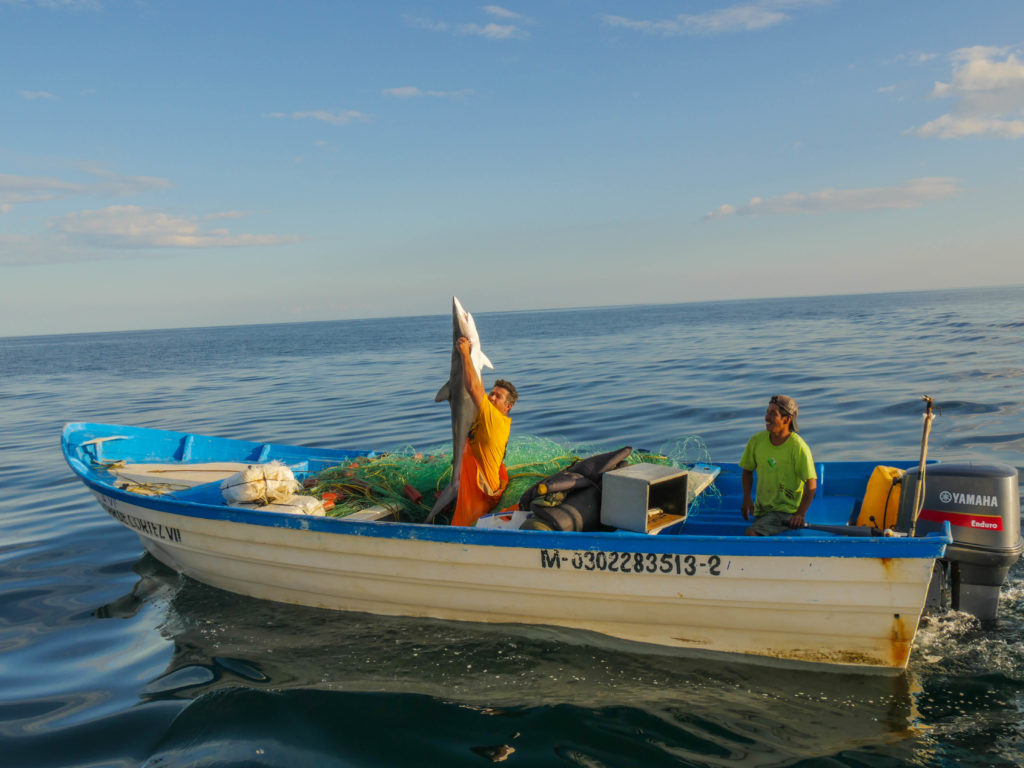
point(919, 487)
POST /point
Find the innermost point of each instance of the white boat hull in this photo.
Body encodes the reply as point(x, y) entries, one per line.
point(708, 596)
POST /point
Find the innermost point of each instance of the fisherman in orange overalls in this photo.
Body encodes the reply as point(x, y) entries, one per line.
point(483, 477)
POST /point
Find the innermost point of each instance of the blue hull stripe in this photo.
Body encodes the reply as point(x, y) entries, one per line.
point(620, 541)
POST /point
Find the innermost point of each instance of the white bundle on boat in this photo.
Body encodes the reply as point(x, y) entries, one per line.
point(260, 483)
point(296, 505)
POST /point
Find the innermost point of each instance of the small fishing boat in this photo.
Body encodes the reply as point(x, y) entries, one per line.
point(818, 595)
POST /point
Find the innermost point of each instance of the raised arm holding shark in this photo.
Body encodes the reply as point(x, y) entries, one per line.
point(480, 427)
point(483, 477)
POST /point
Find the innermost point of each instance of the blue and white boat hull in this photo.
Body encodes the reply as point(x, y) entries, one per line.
point(851, 602)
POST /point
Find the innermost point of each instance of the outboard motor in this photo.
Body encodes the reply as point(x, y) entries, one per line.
point(981, 503)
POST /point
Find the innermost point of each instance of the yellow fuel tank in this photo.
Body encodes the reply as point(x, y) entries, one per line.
point(881, 504)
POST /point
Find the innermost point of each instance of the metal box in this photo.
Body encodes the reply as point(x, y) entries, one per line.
point(643, 497)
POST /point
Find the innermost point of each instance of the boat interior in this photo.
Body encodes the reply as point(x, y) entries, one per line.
point(189, 468)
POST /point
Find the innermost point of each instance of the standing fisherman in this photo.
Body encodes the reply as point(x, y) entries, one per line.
point(483, 477)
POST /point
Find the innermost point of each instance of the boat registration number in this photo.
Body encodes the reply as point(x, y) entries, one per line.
point(632, 562)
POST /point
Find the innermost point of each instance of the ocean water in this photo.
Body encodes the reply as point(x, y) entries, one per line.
point(109, 659)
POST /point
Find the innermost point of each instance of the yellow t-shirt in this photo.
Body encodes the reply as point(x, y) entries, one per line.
point(488, 438)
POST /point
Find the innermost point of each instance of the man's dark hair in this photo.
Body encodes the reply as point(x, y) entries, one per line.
point(513, 393)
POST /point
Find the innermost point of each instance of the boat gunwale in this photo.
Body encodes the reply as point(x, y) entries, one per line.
point(803, 545)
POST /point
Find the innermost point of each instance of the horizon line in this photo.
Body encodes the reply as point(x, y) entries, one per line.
point(579, 308)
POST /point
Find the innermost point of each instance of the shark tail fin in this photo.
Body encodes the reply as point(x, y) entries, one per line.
point(444, 499)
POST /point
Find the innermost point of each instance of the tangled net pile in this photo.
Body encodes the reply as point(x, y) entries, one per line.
point(408, 481)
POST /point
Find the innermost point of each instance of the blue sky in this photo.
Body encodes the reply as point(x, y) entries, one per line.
point(170, 164)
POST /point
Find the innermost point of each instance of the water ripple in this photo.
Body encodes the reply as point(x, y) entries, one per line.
point(110, 659)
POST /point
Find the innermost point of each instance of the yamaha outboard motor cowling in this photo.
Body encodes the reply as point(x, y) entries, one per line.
point(981, 503)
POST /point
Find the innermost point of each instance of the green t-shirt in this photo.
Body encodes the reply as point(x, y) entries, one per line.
point(781, 470)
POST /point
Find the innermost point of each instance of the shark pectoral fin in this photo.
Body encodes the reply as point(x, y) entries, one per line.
point(485, 362)
point(444, 393)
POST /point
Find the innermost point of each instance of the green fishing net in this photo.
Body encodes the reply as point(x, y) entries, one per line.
point(407, 481)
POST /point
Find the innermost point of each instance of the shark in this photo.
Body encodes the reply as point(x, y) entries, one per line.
point(463, 408)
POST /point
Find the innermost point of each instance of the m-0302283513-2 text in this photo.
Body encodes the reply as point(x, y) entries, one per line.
point(633, 562)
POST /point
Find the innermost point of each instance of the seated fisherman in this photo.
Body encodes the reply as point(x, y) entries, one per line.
point(483, 477)
point(786, 480)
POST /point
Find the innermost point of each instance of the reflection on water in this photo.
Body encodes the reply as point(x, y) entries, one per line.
point(238, 655)
point(185, 675)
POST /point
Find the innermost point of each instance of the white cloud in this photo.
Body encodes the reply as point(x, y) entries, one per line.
point(17, 190)
point(422, 22)
point(894, 91)
point(119, 185)
point(501, 13)
point(337, 117)
point(404, 92)
point(911, 194)
point(915, 57)
point(71, 5)
point(412, 92)
point(129, 226)
point(452, 94)
point(953, 127)
point(37, 95)
point(490, 30)
point(987, 89)
point(744, 17)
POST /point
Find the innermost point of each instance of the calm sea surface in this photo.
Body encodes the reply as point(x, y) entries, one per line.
point(109, 659)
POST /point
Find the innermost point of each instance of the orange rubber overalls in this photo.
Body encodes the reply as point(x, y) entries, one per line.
point(483, 477)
